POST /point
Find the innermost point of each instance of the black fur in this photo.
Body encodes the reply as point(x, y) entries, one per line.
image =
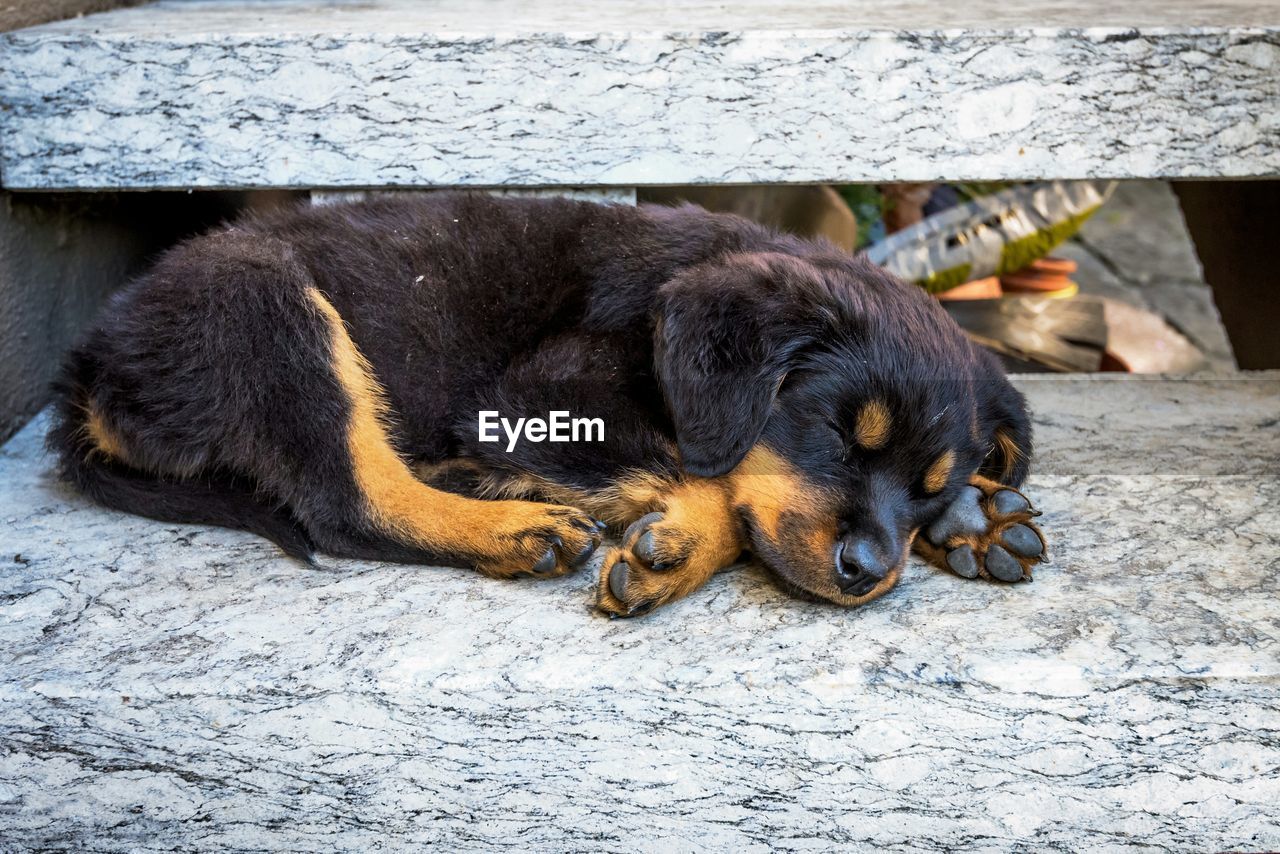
point(693, 335)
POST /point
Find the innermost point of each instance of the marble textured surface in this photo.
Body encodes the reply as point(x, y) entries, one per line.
point(166, 686)
point(188, 18)
point(382, 93)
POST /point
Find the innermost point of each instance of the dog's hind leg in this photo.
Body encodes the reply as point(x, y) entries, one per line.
point(228, 361)
point(500, 538)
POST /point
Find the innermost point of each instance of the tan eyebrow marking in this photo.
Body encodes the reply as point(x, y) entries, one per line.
point(936, 477)
point(872, 426)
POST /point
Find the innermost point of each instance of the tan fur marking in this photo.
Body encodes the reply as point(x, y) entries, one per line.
point(873, 425)
point(635, 494)
point(700, 510)
point(408, 509)
point(394, 496)
point(103, 437)
point(1009, 451)
point(704, 501)
point(770, 486)
point(938, 474)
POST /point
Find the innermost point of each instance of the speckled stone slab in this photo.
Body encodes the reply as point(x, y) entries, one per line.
point(168, 686)
point(384, 93)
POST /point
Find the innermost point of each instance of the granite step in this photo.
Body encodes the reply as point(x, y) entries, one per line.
point(185, 686)
point(393, 93)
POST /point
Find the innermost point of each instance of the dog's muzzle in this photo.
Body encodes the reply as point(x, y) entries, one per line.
point(861, 564)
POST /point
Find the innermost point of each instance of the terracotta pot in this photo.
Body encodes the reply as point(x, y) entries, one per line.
point(988, 288)
point(1063, 266)
point(1050, 277)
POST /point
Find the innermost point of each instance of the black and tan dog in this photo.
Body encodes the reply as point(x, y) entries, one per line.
point(316, 377)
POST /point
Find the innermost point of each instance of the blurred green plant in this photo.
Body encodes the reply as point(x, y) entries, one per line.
point(867, 203)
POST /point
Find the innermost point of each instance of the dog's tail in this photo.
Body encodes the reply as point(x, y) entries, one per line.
point(218, 499)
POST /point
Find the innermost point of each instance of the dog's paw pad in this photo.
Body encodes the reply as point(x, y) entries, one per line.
point(987, 532)
point(1007, 501)
point(529, 539)
point(618, 580)
point(963, 562)
point(963, 517)
point(627, 588)
point(1001, 565)
point(663, 556)
point(547, 563)
point(653, 545)
point(645, 548)
point(1023, 541)
point(636, 577)
point(583, 555)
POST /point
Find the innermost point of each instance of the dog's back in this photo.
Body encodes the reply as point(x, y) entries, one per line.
point(211, 389)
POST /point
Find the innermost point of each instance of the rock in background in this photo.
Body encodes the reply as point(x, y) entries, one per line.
point(1137, 250)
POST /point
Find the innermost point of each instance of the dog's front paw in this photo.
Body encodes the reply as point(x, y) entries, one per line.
point(986, 532)
point(663, 557)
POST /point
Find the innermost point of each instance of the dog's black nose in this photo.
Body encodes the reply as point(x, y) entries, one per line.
point(860, 565)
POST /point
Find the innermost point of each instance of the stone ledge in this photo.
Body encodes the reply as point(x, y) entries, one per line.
point(386, 93)
point(187, 686)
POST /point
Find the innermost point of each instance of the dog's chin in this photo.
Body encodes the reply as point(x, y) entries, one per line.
point(801, 587)
point(801, 582)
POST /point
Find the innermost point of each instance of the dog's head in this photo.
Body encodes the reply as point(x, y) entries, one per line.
point(845, 408)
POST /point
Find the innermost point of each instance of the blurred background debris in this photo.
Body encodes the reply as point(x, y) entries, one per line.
point(28, 13)
point(995, 234)
point(809, 211)
point(1037, 333)
point(1138, 252)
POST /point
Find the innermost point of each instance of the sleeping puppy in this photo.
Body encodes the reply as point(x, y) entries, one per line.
point(323, 377)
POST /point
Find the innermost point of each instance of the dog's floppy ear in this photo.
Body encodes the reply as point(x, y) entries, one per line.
point(726, 334)
point(1005, 426)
